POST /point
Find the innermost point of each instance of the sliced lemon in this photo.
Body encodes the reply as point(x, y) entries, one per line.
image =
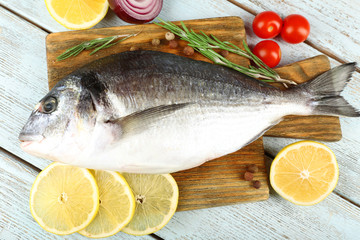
point(64, 199)
point(304, 173)
point(156, 197)
point(117, 205)
point(79, 14)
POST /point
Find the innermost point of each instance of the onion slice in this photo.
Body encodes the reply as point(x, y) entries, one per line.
point(136, 11)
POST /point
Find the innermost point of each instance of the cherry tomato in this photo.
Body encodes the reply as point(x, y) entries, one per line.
point(267, 24)
point(269, 52)
point(296, 29)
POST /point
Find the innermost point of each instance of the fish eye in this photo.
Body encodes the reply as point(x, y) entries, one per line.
point(49, 105)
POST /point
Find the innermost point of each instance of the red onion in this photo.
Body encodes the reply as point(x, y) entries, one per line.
point(136, 11)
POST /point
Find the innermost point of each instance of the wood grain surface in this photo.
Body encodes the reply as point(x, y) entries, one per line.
point(221, 181)
point(199, 187)
point(334, 32)
point(325, 128)
point(57, 43)
point(310, 127)
point(334, 24)
point(16, 221)
point(216, 183)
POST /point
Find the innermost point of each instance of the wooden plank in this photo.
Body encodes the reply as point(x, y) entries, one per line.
point(347, 150)
point(23, 79)
point(335, 25)
point(216, 183)
point(221, 182)
point(332, 219)
point(57, 43)
point(325, 128)
point(327, 18)
point(23, 90)
point(276, 218)
point(311, 127)
point(16, 221)
point(207, 194)
point(37, 13)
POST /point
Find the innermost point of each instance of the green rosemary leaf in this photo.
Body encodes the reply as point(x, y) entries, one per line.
point(205, 44)
point(217, 40)
point(103, 46)
point(96, 44)
point(184, 27)
point(71, 52)
point(233, 45)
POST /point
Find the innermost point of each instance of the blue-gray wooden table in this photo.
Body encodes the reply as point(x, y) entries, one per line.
point(335, 32)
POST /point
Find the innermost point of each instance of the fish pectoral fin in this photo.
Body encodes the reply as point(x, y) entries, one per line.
point(142, 120)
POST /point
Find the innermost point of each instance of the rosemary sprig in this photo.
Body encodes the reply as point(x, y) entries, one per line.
point(96, 44)
point(205, 44)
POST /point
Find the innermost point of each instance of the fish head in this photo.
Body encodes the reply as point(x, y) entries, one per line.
point(53, 128)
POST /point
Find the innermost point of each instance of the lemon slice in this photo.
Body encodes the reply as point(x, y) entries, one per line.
point(79, 14)
point(156, 197)
point(304, 173)
point(117, 205)
point(64, 199)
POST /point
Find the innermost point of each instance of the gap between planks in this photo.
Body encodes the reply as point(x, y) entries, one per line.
point(27, 164)
point(268, 159)
point(320, 49)
point(240, 5)
point(268, 156)
point(343, 197)
point(35, 169)
point(25, 18)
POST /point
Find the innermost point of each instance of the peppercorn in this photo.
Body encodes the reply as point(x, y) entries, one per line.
point(257, 184)
point(248, 176)
point(173, 44)
point(134, 48)
point(252, 168)
point(188, 51)
point(224, 53)
point(169, 36)
point(155, 42)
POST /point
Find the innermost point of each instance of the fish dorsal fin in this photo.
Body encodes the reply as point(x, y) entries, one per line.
point(141, 120)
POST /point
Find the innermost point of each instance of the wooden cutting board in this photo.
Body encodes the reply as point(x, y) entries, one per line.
point(220, 181)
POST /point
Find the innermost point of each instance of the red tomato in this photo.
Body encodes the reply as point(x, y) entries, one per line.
point(269, 52)
point(296, 29)
point(267, 24)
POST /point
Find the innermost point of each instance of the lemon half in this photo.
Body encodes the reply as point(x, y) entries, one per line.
point(156, 197)
point(304, 173)
point(64, 199)
point(79, 14)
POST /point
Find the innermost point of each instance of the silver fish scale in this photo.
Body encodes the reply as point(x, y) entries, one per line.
point(154, 112)
point(141, 84)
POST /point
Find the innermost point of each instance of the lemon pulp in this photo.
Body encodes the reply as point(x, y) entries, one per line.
point(156, 197)
point(80, 14)
point(64, 199)
point(304, 173)
point(117, 205)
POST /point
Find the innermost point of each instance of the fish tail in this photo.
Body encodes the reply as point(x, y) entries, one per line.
point(325, 92)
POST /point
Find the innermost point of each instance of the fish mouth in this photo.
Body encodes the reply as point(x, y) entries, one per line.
point(27, 139)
